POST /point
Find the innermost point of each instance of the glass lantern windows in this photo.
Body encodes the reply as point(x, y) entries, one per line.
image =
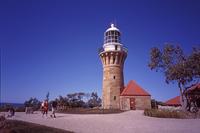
point(112, 36)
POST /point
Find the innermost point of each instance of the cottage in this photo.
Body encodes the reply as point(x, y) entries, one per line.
point(134, 97)
point(174, 101)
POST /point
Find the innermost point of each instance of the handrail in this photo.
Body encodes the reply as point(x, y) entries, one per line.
point(100, 50)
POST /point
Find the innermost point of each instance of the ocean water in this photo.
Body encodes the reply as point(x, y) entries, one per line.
point(12, 104)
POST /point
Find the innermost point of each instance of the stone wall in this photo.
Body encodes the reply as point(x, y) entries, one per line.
point(141, 102)
point(171, 108)
point(124, 103)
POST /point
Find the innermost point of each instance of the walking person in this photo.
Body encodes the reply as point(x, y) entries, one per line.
point(11, 112)
point(42, 108)
point(45, 108)
point(54, 106)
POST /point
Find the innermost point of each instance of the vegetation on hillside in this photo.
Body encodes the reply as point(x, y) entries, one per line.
point(64, 103)
point(78, 100)
point(33, 102)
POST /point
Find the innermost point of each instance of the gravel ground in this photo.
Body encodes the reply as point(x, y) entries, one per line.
point(126, 122)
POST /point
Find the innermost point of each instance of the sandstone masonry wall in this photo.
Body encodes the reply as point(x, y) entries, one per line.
point(113, 78)
point(141, 102)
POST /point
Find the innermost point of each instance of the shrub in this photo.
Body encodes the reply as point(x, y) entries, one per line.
point(5, 107)
point(2, 121)
point(20, 109)
point(163, 113)
point(89, 111)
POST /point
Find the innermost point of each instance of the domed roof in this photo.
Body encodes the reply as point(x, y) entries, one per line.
point(112, 27)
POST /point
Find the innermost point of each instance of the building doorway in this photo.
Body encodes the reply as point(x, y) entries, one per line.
point(132, 103)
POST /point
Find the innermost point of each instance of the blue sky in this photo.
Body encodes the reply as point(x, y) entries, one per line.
point(52, 45)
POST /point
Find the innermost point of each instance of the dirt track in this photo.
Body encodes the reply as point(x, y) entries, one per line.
point(127, 122)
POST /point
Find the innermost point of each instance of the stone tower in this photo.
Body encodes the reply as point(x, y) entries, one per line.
point(113, 55)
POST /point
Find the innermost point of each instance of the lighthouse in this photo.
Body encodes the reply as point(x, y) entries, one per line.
point(112, 55)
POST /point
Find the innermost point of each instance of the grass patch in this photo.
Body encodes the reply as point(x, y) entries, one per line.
point(164, 113)
point(15, 126)
point(89, 111)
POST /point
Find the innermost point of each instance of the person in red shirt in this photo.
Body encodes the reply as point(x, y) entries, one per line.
point(45, 108)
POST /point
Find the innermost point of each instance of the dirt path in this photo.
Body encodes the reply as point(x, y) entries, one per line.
point(127, 122)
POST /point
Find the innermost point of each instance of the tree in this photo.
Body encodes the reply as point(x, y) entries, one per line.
point(155, 103)
point(94, 100)
point(76, 99)
point(47, 96)
point(33, 102)
point(62, 101)
point(177, 67)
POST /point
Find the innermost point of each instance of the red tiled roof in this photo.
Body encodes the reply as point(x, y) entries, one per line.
point(133, 89)
point(194, 87)
point(174, 101)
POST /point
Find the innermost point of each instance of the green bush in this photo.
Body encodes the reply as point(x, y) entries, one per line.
point(5, 107)
point(20, 109)
point(163, 113)
point(89, 111)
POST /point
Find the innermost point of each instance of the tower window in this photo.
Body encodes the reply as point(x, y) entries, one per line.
point(115, 47)
point(113, 59)
point(114, 97)
point(113, 77)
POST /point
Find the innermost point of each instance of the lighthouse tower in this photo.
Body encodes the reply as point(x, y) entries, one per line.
point(113, 55)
